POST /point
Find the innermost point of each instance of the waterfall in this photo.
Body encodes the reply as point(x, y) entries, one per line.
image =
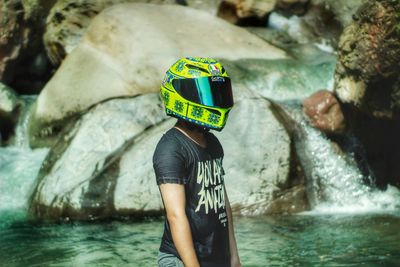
point(21, 131)
point(334, 182)
point(19, 166)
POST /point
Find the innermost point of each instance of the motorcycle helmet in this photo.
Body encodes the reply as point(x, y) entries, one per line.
point(198, 90)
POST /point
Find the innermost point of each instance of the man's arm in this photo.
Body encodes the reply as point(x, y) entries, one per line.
point(235, 260)
point(174, 201)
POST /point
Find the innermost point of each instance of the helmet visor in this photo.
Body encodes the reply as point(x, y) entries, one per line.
point(208, 91)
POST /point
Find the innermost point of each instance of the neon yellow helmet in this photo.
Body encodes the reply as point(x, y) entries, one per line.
point(199, 91)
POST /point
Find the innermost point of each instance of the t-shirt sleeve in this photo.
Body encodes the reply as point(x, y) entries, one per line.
point(169, 162)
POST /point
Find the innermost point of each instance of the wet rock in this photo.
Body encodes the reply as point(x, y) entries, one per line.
point(369, 51)
point(112, 62)
point(325, 112)
point(9, 109)
point(246, 12)
point(102, 166)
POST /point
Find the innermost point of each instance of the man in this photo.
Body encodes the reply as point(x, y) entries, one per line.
point(188, 167)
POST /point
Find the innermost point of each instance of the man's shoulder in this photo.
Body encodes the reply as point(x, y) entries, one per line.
point(169, 141)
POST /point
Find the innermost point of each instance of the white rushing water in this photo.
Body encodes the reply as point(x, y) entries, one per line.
point(335, 184)
point(342, 182)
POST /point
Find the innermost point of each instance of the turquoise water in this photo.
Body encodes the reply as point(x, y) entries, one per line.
point(304, 240)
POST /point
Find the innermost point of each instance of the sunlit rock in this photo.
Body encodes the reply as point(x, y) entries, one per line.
point(125, 54)
point(79, 175)
point(325, 112)
point(102, 166)
point(69, 20)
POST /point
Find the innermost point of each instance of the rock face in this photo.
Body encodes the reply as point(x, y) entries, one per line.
point(246, 12)
point(21, 43)
point(367, 73)
point(125, 54)
point(9, 107)
point(342, 10)
point(102, 166)
point(68, 21)
point(325, 112)
point(13, 39)
point(79, 176)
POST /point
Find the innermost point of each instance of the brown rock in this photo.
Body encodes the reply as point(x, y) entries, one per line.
point(369, 52)
point(325, 112)
point(297, 7)
point(246, 12)
point(14, 37)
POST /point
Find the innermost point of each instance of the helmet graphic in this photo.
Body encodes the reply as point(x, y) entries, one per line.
point(199, 91)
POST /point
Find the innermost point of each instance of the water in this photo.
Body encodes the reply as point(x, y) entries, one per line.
point(368, 240)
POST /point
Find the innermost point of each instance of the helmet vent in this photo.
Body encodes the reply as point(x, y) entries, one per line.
point(189, 66)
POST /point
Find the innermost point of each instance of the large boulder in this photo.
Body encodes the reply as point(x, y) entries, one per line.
point(79, 175)
point(125, 54)
point(69, 19)
point(102, 166)
point(367, 73)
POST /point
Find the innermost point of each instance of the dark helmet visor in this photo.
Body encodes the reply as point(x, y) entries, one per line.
point(207, 91)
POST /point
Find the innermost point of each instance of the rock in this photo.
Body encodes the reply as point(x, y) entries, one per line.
point(14, 38)
point(369, 52)
point(325, 113)
point(79, 175)
point(102, 166)
point(9, 109)
point(68, 21)
point(246, 12)
point(296, 7)
point(343, 10)
point(21, 42)
point(205, 5)
point(125, 54)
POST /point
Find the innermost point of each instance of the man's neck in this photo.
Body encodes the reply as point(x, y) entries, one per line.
point(196, 136)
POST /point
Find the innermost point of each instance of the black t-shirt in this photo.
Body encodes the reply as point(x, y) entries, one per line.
point(177, 159)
